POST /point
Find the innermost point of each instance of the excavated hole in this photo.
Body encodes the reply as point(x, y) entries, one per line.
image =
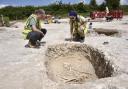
point(76, 64)
point(108, 32)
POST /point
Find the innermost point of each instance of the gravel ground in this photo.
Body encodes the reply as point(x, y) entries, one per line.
point(22, 68)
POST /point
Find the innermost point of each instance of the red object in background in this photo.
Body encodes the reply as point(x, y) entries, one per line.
point(92, 15)
point(120, 14)
point(117, 14)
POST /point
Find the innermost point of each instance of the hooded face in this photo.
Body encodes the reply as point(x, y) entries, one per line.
point(73, 18)
point(72, 15)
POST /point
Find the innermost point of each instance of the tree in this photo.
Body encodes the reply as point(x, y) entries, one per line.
point(102, 6)
point(93, 3)
point(81, 8)
point(113, 4)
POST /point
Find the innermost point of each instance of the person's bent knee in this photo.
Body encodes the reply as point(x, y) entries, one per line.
point(34, 36)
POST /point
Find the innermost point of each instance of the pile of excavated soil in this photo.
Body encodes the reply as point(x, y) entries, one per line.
point(73, 68)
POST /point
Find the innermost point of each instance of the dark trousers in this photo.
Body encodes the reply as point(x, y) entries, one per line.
point(34, 36)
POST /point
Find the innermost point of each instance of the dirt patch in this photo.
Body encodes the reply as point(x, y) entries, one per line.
point(76, 63)
point(105, 32)
point(73, 68)
point(2, 29)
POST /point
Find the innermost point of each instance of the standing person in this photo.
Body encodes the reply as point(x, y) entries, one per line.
point(77, 26)
point(32, 29)
point(107, 11)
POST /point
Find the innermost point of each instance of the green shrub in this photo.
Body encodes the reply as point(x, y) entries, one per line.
point(6, 21)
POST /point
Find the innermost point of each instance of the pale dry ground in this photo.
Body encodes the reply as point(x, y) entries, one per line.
point(22, 68)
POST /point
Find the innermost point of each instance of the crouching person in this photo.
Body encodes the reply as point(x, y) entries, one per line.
point(77, 26)
point(32, 29)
